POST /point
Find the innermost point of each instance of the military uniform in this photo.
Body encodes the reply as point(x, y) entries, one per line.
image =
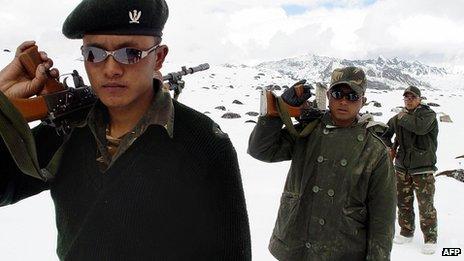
point(339, 198)
point(416, 140)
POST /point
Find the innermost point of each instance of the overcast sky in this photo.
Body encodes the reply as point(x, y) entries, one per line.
point(250, 31)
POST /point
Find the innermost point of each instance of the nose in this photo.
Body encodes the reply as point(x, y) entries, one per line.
point(112, 69)
point(344, 100)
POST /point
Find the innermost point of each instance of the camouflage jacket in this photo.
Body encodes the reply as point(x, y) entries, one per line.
point(339, 198)
point(416, 140)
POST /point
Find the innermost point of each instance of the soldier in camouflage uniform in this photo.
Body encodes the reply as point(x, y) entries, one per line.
point(414, 148)
point(339, 198)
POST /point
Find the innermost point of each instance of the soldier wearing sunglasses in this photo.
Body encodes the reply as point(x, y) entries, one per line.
point(339, 198)
point(143, 177)
point(414, 152)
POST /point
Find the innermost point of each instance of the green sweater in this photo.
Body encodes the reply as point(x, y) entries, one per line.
point(163, 199)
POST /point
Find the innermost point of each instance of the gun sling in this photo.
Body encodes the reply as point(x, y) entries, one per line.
point(285, 116)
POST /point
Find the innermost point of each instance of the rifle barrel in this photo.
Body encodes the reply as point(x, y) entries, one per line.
point(185, 71)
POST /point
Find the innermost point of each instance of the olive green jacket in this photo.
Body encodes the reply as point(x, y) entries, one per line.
point(340, 196)
point(416, 140)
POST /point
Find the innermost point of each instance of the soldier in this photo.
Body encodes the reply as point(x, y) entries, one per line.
point(339, 198)
point(414, 148)
point(143, 177)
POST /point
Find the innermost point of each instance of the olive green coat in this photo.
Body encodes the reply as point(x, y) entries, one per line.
point(339, 198)
point(416, 140)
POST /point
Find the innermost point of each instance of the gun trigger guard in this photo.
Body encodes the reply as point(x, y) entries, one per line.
point(65, 83)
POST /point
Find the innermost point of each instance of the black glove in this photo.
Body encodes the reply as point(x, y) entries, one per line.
point(291, 98)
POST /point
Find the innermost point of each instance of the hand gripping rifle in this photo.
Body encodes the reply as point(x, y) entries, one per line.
point(57, 104)
point(274, 106)
point(271, 104)
point(175, 81)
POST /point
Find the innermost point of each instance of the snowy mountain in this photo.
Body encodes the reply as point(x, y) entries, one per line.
point(383, 74)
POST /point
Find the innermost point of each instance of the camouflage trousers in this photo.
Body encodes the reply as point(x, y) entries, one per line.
point(424, 187)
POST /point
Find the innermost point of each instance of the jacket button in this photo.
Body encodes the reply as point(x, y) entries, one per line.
point(331, 192)
point(326, 131)
point(308, 245)
point(344, 162)
point(321, 222)
point(360, 137)
point(316, 189)
point(320, 159)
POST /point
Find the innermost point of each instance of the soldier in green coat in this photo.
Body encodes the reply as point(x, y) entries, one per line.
point(414, 148)
point(339, 198)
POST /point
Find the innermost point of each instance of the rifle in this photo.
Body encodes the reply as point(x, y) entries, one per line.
point(175, 81)
point(57, 104)
point(269, 102)
point(62, 107)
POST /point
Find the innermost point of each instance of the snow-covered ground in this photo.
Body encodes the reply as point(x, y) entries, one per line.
point(28, 231)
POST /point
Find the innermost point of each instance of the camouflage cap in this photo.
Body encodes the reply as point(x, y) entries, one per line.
point(352, 76)
point(116, 17)
point(413, 90)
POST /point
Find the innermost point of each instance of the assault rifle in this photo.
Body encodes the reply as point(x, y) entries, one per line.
point(61, 106)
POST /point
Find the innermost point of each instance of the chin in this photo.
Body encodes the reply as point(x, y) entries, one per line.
point(113, 103)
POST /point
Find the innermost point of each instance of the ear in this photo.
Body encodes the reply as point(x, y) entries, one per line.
point(161, 53)
point(364, 100)
point(328, 95)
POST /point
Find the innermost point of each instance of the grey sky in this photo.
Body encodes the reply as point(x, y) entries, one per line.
point(219, 31)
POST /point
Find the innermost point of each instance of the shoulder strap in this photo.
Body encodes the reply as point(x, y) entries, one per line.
point(285, 116)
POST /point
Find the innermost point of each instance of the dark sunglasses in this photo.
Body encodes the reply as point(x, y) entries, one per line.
point(126, 55)
point(409, 98)
point(351, 96)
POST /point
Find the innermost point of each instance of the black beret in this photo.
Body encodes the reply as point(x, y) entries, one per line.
point(119, 17)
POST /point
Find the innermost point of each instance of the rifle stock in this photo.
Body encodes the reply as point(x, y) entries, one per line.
point(32, 109)
point(269, 104)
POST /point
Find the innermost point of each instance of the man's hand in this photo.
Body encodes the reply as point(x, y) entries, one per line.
point(14, 81)
point(297, 96)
